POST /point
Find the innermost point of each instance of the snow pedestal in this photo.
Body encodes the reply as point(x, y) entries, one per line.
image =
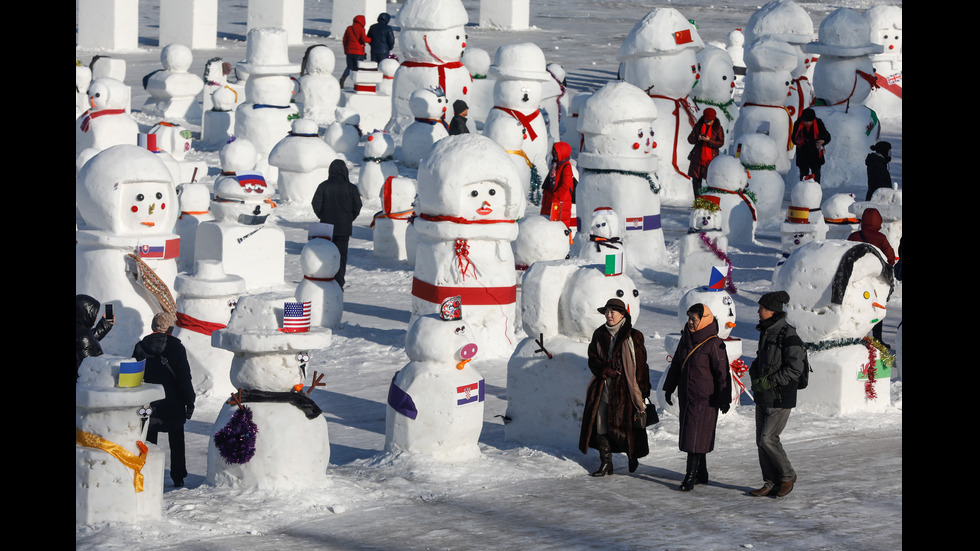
point(505, 14)
point(374, 108)
point(193, 23)
point(173, 90)
point(292, 447)
point(107, 421)
point(839, 383)
point(344, 13)
point(111, 25)
point(195, 209)
point(284, 14)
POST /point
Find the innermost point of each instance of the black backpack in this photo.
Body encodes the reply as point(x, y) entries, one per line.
point(804, 379)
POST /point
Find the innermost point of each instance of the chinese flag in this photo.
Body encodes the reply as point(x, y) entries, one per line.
point(682, 37)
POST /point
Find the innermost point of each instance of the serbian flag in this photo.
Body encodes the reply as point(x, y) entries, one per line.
point(131, 373)
point(614, 264)
point(683, 37)
point(163, 248)
point(296, 317)
point(468, 394)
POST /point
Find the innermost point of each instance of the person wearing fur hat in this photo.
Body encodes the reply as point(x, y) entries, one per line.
point(877, 163)
point(775, 371)
point(810, 136)
point(166, 364)
point(707, 137)
point(699, 372)
point(614, 417)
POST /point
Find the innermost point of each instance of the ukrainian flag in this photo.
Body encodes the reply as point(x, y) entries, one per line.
point(131, 373)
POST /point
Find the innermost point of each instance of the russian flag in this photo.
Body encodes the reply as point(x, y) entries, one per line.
point(163, 248)
point(468, 394)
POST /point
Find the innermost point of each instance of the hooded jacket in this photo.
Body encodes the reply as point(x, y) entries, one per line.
point(381, 37)
point(179, 391)
point(878, 174)
point(870, 233)
point(337, 201)
point(354, 37)
point(559, 186)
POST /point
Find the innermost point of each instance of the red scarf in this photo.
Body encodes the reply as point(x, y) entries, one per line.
point(525, 120)
point(89, 115)
point(198, 326)
point(678, 103)
point(442, 69)
point(706, 152)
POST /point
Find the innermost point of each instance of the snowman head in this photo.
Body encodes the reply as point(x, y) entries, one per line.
point(432, 31)
point(587, 290)
point(717, 82)
point(770, 63)
point(477, 62)
point(176, 58)
point(522, 95)
point(193, 197)
point(757, 151)
point(269, 89)
point(705, 216)
point(107, 93)
point(605, 223)
point(781, 19)
point(718, 301)
point(520, 70)
point(244, 198)
point(442, 337)
point(659, 54)
point(238, 155)
point(671, 75)
point(320, 258)
point(428, 103)
point(318, 60)
point(127, 190)
point(727, 173)
point(617, 126)
point(886, 27)
point(378, 145)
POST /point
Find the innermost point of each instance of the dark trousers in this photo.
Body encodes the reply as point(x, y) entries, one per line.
point(769, 424)
point(178, 462)
point(352, 60)
point(341, 243)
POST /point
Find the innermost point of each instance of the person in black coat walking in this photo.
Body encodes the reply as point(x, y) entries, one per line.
point(166, 364)
point(338, 202)
point(458, 124)
point(88, 332)
point(382, 38)
point(877, 163)
point(810, 136)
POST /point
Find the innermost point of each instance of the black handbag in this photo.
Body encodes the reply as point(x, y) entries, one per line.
point(644, 419)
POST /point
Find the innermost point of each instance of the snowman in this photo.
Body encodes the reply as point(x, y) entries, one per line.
point(344, 133)
point(726, 184)
point(479, 98)
point(267, 114)
point(215, 78)
point(559, 312)
point(554, 101)
point(270, 435)
point(735, 46)
point(319, 261)
point(173, 90)
point(126, 249)
point(538, 239)
point(319, 89)
point(519, 70)
point(716, 87)
point(429, 106)
point(804, 220)
point(206, 298)
point(838, 291)
point(842, 80)
point(715, 296)
point(659, 56)
point(886, 29)
point(118, 475)
point(106, 123)
point(770, 63)
point(436, 402)
point(195, 209)
point(218, 123)
point(618, 168)
point(605, 236)
point(239, 233)
point(469, 200)
point(836, 213)
point(703, 247)
point(758, 154)
point(83, 77)
point(432, 40)
point(379, 165)
point(388, 67)
point(303, 160)
point(104, 66)
point(390, 226)
point(787, 21)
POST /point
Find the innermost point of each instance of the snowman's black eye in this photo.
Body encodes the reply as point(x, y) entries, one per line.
point(139, 197)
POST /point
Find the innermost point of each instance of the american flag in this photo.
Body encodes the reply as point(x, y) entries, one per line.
point(296, 317)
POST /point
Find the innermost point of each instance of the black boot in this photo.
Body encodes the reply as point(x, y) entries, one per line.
point(633, 462)
point(702, 477)
point(690, 479)
point(605, 456)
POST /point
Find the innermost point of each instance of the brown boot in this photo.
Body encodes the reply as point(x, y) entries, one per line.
point(786, 487)
point(605, 457)
point(763, 491)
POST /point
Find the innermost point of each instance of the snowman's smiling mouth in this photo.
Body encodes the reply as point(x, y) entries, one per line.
point(485, 209)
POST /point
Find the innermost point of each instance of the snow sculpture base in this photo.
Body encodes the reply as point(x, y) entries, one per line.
point(835, 386)
point(108, 25)
point(237, 246)
point(374, 109)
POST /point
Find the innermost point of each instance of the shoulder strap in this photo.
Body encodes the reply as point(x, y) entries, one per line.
point(689, 354)
point(165, 362)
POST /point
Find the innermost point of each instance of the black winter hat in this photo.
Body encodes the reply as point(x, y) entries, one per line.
point(808, 114)
point(459, 106)
point(774, 301)
point(882, 147)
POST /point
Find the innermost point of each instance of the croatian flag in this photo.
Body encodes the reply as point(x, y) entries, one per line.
point(468, 394)
point(635, 223)
point(131, 373)
point(296, 317)
point(159, 248)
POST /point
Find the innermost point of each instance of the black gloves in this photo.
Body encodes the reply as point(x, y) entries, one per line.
point(188, 411)
point(667, 399)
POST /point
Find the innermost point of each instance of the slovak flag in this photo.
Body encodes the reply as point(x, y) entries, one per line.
point(471, 393)
point(296, 317)
point(163, 247)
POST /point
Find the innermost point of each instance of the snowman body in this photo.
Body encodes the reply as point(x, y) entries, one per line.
point(726, 182)
point(390, 226)
point(173, 90)
point(758, 153)
point(716, 88)
point(320, 261)
point(701, 248)
point(319, 89)
point(303, 160)
point(429, 107)
point(378, 165)
point(106, 123)
point(886, 30)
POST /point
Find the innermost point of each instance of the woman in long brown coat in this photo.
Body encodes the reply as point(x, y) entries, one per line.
point(699, 372)
point(613, 418)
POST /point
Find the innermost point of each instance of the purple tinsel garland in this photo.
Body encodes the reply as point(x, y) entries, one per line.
point(711, 244)
point(236, 441)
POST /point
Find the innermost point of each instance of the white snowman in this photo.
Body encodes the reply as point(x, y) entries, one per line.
point(239, 233)
point(559, 312)
point(319, 89)
point(479, 98)
point(430, 108)
point(572, 135)
point(554, 101)
point(302, 160)
point(319, 260)
point(842, 80)
point(469, 201)
point(106, 123)
point(83, 77)
point(659, 56)
point(126, 251)
point(769, 62)
point(378, 165)
point(432, 40)
point(436, 402)
point(886, 29)
point(388, 67)
point(836, 213)
point(271, 435)
point(703, 247)
point(173, 90)
point(618, 164)
point(218, 122)
point(390, 225)
point(838, 291)
point(538, 239)
point(758, 153)
point(267, 114)
point(195, 209)
point(344, 133)
point(716, 89)
point(726, 186)
point(520, 71)
point(735, 46)
point(605, 236)
point(804, 220)
point(206, 298)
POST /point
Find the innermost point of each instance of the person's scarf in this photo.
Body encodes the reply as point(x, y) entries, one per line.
point(707, 154)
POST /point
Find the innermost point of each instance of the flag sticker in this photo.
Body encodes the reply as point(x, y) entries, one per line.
point(683, 37)
point(131, 373)
point(296, 317)
point(613, 264)
point(163, 248)
point(471, 393)
point(635, 223)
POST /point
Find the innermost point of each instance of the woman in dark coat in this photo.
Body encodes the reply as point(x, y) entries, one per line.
point(699, 372)
point(88, 333)
point(616, 393)
point(337, 201)
point(707, 137)
point(877, 163)
point(810, 136)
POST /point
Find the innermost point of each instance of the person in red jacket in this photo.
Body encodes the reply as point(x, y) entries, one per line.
point(559, 187)
point(707, 137)
point(870, 232)
point(354, 41)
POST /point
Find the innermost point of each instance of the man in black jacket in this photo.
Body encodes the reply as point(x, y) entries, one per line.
point(338, 202)
point(775, 372)
point(166, 364)
point(382, 38)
